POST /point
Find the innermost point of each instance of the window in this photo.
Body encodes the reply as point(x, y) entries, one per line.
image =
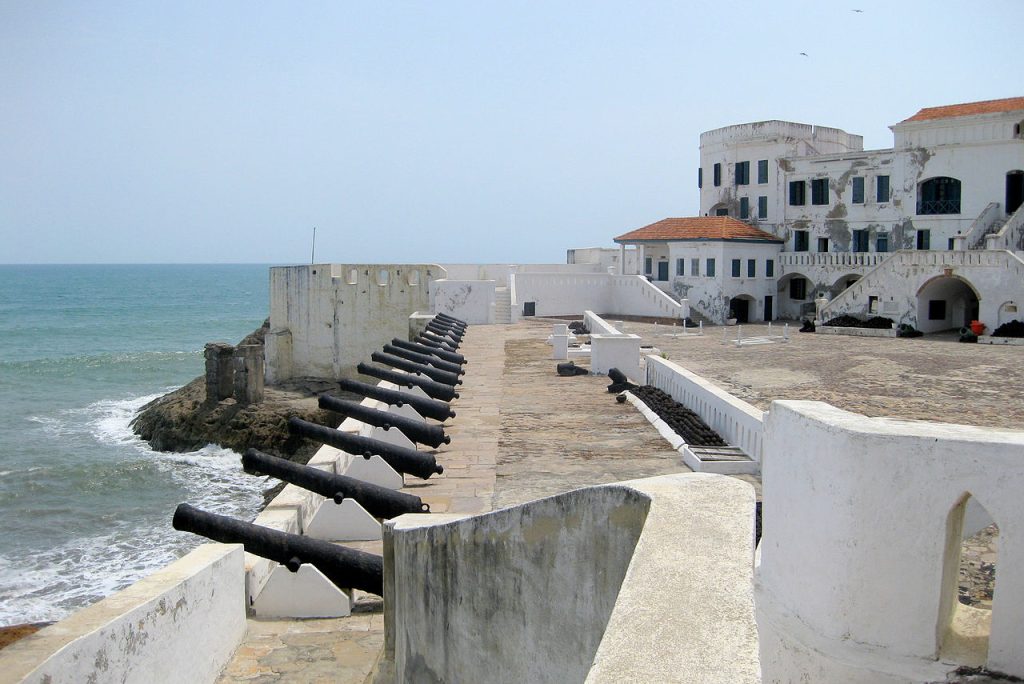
point(743, 173)
point(860, 241)
point(700, 178)
point(751, 268)
point(709, 270)
point(735, 268)
point(882, 189)
point(797, 196)
point(800, 241)
point(721, 212)
point(798, 288)
point(694, 267)
point(744, 207)
point(882, 242)
point(769, 268)
point(679, 267)
point(939, 196)
point(819, 191)
point(936, 309)
point(950, 245)
point(762, 172)
point(647, 265)
point(858, 190)
point(762, 207)
point(718, 174)
point(822, 244)
point(924, 239)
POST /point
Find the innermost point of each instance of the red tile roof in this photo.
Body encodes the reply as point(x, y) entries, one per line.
point(698, 228)
point(1009, 104)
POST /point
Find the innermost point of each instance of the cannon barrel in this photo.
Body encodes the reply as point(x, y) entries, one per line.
point(343, 566)
point(428, 408)
point(446, 330)
point(433, 340)
point(426, 359)
point(410, 461)
point(443, 319)
point(456, 327)
point(457, 359)
point(380, 502)
point(435, 374)
point(453, 319)
point(434, 390)
point(416, 430)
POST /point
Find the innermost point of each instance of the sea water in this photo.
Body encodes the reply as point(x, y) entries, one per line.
point(85, 505)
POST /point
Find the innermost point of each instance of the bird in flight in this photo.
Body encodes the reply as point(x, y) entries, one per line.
point(858, 11)
point(804, 54)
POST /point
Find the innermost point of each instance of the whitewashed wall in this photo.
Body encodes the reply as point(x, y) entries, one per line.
point(561, 294)
point(328, 317)
point(855, 542)
point(469, 300)
point(180, 624)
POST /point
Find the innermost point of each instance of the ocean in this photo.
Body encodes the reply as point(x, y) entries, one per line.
point(85, 506)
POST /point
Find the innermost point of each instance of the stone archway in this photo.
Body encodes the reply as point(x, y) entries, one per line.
point(743, 308)
point(946, 303)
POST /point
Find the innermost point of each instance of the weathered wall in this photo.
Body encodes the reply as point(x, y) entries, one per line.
point(469, 300)
point(180, 624)
point(328, 317)
point(561, 294)
point(855, 541)
point(604, 584)
point(517, 595)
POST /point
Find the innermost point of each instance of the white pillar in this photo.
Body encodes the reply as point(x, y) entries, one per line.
point(622, 258)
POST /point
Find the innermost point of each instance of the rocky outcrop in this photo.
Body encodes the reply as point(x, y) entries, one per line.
point(184, 420)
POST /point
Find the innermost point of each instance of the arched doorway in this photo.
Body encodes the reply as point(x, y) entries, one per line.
point(841, 284)
point(795, 297)
point(1014, 190)
point(968, 583)
point(743, 308)
point(946, 303)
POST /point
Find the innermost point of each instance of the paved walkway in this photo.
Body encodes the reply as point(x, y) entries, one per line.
point(520, 432)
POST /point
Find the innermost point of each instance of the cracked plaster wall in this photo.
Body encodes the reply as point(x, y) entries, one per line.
point(469, 300)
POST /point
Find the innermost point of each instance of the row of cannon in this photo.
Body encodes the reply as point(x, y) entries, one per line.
point(432, 363)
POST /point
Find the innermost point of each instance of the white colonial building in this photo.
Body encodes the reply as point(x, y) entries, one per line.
point(932, 224)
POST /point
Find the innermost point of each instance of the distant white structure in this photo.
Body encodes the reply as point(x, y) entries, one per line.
point(934, 224)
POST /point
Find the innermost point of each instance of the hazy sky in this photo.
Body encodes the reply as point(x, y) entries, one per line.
point(431, 131)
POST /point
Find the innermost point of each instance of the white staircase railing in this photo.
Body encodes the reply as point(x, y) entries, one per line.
point(974, 238)
point(1010, 235)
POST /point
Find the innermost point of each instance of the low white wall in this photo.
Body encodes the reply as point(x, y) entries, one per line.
point(604, 584)
point(616, 351)
point(736, 421)
point(855, 543)
point(598, 326)
point(561, 294)
point(180, 624)
point(471, 301)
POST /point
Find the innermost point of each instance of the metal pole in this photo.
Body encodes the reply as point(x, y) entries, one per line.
point(312, 256)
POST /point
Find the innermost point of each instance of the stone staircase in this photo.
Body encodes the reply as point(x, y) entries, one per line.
point(502, 306)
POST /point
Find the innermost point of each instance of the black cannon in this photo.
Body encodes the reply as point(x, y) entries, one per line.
point(415, 430)
point(380, 502)
point(445, 330)
point(434, 390)
point(346, 568)
point(448, 325)
point(433, 340)
point(453, 319)
point(458, 359)
point(428, 408)
point(426, 359)
point(434, 374)
point(410, 461)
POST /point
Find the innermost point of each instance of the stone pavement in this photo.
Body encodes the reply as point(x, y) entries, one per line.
point(520, 432)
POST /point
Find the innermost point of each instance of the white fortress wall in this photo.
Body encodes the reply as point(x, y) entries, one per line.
point(469, 300)
point(857, 575)
point(602, 584)
point(180, 624)
point(328, 317)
